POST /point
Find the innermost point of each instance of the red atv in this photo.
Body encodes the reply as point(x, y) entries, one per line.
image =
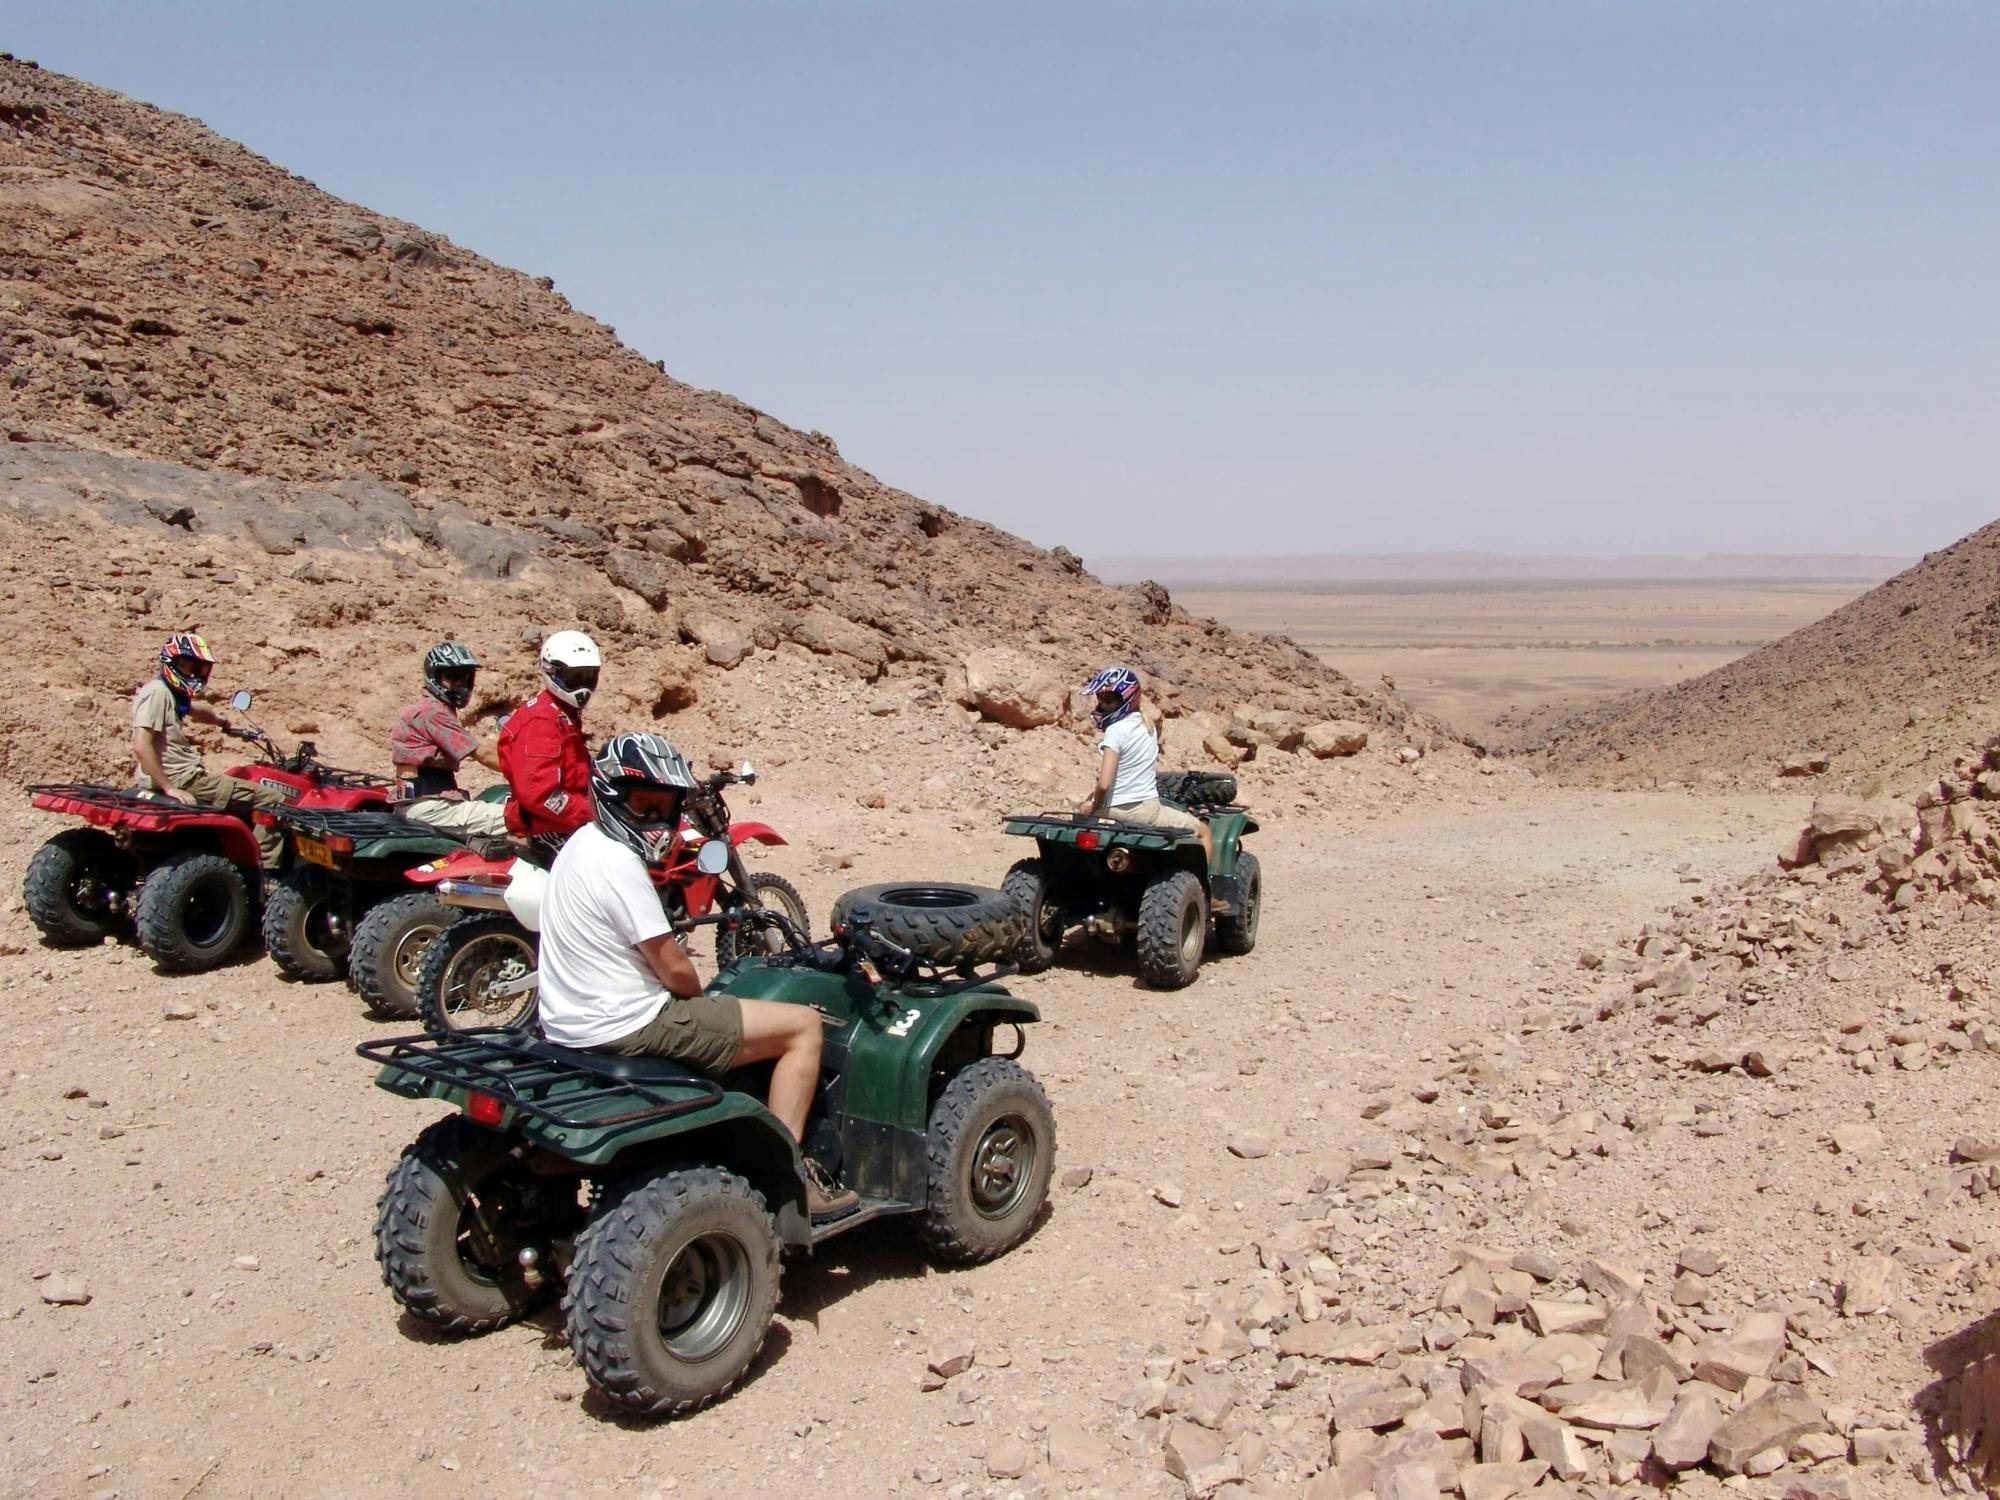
point(187, 878)
point(480, 970)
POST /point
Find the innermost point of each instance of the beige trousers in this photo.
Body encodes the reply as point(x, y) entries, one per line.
point(232, 794)
point(1155, 814)
point(467, 819)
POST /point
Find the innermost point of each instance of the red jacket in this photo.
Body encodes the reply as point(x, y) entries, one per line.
point(547, 767)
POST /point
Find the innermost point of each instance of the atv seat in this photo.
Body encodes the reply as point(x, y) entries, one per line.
point(619, 1069)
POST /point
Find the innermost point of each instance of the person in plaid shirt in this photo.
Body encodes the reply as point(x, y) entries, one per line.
point(430, 741)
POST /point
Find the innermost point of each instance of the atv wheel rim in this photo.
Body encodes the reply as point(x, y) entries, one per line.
point(1191, 935)
point(481, 967)
point(486, 1245)
point(316, 927)
point(408, 958)
point(1003, 1164)
point(1049, 924)
point(704, 1296)
point(91, 896)
point(1252, 904)
point(205, 914)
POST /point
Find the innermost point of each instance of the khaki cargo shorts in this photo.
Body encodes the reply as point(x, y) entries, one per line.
point(702, 1031)
point(1156, 814)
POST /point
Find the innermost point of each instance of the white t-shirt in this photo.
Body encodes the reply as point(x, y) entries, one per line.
point(596, 986)
point(1138, 754)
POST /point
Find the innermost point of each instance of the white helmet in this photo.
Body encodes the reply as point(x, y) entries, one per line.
point(570, 663)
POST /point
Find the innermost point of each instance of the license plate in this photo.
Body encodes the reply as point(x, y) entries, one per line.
point(312, 850)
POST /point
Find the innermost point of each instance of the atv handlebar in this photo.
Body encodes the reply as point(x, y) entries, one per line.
point(858, 939)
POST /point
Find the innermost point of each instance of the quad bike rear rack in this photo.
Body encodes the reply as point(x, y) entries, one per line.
point(362, 825)
point(1141, 835)
point(527, 1074)
point(145, 811)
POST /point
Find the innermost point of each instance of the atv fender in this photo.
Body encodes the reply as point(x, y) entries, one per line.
point(1226, 830)
point(890, 1064)
point(233, 838)
point(754, 833)
point(741, 1136)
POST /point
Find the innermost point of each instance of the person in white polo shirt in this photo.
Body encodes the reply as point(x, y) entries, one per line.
point(1128, 787)
point(613, 977)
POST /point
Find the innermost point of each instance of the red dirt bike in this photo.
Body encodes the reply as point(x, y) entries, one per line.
point(479, 970)
point(186, 878)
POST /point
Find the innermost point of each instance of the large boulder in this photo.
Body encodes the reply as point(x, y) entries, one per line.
point(723, 642)
point(1010, 687)
point(1331, 737)
point(1840, 826)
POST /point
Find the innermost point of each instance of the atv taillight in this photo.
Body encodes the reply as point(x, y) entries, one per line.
point(484, 1109)
point(340, 843)
point(1088, 839)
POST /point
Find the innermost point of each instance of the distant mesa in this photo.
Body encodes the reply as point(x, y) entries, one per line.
point(1495, 567)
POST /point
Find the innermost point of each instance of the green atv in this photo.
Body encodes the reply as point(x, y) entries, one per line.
point(1127, 881)
point(345, 904)
point(661, 1198)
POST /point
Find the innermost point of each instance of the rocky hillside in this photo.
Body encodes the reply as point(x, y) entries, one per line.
point(1709, 1217)
point(329, 437)
point(1880, 693)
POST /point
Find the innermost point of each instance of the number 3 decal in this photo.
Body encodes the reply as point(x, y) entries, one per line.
point(902, 1024)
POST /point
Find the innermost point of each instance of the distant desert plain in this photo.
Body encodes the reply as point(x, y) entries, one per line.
point(1478, 639)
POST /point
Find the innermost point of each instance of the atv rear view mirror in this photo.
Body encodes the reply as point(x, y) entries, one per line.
point(748, 773)
point(240, 700)
point(713, 857)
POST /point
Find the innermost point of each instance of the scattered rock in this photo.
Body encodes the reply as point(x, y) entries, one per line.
point(64, 1290)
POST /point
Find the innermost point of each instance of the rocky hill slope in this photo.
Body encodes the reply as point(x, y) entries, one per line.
point(1879, 694)
point(329, 437)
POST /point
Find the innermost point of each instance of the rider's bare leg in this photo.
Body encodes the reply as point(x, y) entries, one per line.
point(790, 1034)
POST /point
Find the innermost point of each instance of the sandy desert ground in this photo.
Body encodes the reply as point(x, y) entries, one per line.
point(1471, 652)
point(150, 1156)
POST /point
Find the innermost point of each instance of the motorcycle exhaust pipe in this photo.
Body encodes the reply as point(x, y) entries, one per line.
point(472, 893)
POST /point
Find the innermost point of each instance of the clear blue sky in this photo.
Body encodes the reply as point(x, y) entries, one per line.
point(1528, 276)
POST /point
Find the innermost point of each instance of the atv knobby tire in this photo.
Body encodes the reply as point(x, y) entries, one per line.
point(940, 922)
point(672, 1289)
point(990, 1146)
point(442, 1230)
point(1197, 788)
point(775, 893)
point(298, 932)
point(1027, 885)
point(72, 884)
point(1173, 928)
point(387, 953)
point(464, 962)
point(193, 912)
point(1236, 932)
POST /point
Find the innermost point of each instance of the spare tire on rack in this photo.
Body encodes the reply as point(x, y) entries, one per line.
point(940, 921)
point(1194, 789)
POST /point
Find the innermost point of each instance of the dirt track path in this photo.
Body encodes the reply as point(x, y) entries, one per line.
point(252, 1132)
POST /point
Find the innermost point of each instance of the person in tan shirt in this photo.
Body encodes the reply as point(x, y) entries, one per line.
point(169, 763)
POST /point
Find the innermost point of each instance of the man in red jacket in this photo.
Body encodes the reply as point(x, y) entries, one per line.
point(542, 753)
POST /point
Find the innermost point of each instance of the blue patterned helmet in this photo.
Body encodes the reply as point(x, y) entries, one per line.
point(1121, 680)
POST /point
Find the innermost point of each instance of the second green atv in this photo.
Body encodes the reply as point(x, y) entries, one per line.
point(346, 906)
point(658, 1199)
point(1129, 882)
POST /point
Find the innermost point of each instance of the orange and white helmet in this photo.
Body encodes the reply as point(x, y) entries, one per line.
point(185, 662)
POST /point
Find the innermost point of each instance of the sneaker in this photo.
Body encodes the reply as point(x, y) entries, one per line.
point(825, 1198)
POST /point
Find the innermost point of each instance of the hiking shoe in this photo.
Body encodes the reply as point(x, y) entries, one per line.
point(825, 1198)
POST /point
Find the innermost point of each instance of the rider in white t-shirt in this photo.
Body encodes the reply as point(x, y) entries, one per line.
point(1128, 787)
point(614, 979)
